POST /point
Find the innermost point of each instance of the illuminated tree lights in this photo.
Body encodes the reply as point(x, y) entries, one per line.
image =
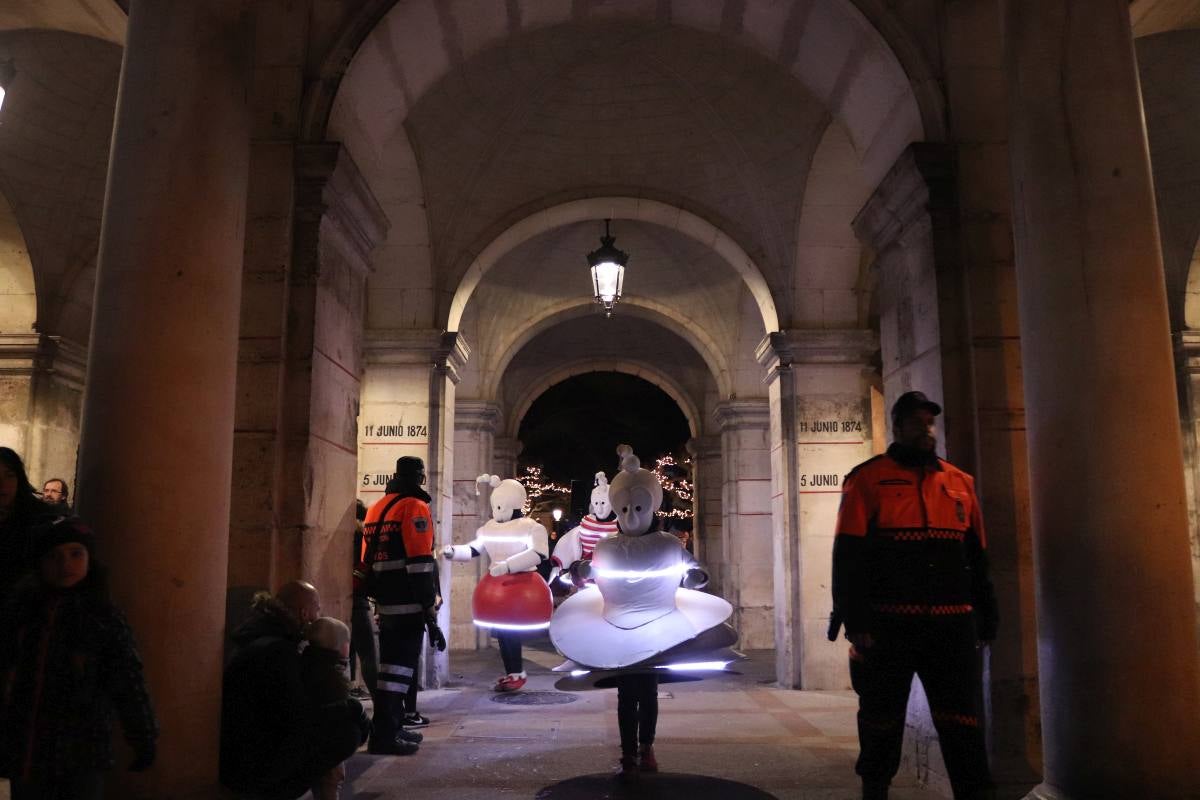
point(542, 491)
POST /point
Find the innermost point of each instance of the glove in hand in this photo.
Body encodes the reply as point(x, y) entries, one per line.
point(695, 578)
point(498, 569)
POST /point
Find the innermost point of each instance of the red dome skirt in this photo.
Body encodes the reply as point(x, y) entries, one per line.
point(519, 602)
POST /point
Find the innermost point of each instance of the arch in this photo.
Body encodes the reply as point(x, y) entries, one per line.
point(629, 366)
point(18, 292)
point(575, 307)
point(626, 208)
point(787, 33)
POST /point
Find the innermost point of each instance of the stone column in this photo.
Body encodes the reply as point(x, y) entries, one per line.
point(745, 554)
point(705, 452)
point(157, 438)
point(475, 425)
point(408, 409)
point(824, 386)
point(41, 398)
point(1118, 657)
point(505, 450)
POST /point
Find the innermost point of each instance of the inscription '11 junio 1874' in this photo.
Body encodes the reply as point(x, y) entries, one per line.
point(395, 431)
point(829, 426)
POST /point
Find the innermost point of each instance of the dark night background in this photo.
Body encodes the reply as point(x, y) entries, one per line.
point(573, 430)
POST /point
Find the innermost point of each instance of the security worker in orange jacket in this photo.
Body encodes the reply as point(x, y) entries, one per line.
point(911, 586)
point(400, 574)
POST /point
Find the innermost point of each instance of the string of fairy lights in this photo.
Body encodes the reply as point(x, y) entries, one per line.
point(539, 488)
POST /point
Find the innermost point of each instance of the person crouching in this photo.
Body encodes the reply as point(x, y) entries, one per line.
point(323, 671)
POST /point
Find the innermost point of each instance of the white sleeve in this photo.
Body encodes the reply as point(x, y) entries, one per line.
point(568, 550)
point(465, 552)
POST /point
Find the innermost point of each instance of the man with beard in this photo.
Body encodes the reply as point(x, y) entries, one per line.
point(400, 573)
point(911, 586)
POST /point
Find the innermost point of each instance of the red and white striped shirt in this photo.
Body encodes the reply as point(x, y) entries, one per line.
point(579, 542)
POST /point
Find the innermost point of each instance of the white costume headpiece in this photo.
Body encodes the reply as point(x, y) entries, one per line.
point(635, 494)
point(601, 505)
point(507, 496)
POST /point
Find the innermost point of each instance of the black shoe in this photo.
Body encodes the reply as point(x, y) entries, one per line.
point(409, 736)
point(413, 719)
point(396, 747)
point(875, 790)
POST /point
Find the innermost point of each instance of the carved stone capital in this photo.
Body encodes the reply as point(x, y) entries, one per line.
point(29, 353)
point(921, 183)
point(330, 186)
point(444, 351)
point(473, 415)
point(734, 415)
point(702, 448)
point(781, 350)
point(1187, 351)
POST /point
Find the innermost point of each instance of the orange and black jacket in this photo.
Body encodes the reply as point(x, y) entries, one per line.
point(910, 544)
point(397, 559)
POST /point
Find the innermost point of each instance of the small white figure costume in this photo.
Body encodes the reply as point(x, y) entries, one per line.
point(637, 618)
point(578, 543)
point(512, 598)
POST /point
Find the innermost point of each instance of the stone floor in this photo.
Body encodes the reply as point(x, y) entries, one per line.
point(731, 738)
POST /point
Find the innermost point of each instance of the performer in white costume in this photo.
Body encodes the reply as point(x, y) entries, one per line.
point(577, 544)
point(637, 626)
point(512, 598)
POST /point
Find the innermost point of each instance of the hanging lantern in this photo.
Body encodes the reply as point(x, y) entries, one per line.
point(608, 271)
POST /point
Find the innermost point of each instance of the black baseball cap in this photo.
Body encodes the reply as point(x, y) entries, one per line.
point(409, 466)
point(909, 402)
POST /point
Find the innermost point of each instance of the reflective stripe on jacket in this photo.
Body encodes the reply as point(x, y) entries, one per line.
point(910, 543)
point(397, 551)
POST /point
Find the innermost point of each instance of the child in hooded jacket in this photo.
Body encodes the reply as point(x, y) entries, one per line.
point(68, 665)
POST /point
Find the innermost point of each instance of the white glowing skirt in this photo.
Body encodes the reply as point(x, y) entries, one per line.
point(582, 634)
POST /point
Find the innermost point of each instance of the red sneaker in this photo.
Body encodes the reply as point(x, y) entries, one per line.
point(646, 760)
point(510, 682)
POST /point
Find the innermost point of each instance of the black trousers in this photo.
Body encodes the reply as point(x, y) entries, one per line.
point(79, 786)
point(400, 639)
point(637, 710)
point(510, 651)
point(943, 655)
point(362, 642)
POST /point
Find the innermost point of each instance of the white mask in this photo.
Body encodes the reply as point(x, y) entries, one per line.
point(635, 494)
point(507, 496)
point(601, 507)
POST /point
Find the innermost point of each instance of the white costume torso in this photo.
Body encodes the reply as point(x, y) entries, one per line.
point(522, 537)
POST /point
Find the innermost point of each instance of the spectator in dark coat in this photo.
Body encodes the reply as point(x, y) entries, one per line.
point(323, 667)
point(68, 662)
point(274, 743)
point(20, 512)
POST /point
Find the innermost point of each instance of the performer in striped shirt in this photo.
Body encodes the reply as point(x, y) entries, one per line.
point(578, 543)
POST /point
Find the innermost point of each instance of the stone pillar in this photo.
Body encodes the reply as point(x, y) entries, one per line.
point(1119, 672)
point(408, 409)
point(745, 556)
point(1187, 359)
point(505, 450)
point(475, 426)
point(824, 387)
point(707, 540)
point(157, 438)
point(41, 398)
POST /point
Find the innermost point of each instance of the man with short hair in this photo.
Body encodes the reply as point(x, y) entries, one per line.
point(273, 744)
point(400, 574)
point(911, 586)
point(56, 493)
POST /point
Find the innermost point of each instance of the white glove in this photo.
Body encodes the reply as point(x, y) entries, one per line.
point(448, 551)
point(498, 569)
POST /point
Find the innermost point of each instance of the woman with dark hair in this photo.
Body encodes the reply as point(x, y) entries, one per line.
point(20, 512)
point(68, 665)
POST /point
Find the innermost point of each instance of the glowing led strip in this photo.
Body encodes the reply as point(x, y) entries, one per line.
point(635, 574)
point(505, 626)
point(579, 673)
point(695, 666)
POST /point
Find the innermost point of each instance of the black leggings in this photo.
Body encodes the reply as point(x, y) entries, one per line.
point(510, 652)
point(637, 710)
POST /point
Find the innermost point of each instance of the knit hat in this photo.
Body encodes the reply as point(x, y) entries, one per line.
point(63, 530)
